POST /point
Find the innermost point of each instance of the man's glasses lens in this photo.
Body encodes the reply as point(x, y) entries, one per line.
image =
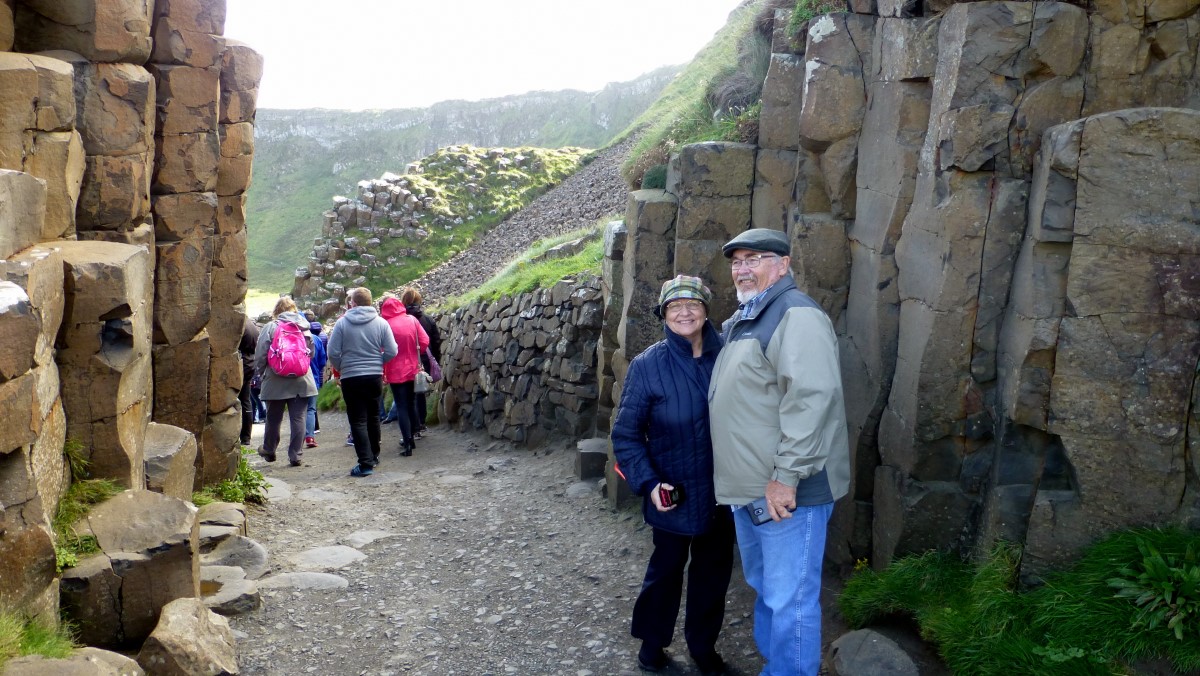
point(750, 261)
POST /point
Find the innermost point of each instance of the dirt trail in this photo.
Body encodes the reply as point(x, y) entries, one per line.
point(496, 561)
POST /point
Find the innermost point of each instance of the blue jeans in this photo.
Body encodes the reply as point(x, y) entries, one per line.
point(782, 563)
point(310, 421)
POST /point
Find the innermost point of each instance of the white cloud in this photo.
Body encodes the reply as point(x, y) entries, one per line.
point(412, 53)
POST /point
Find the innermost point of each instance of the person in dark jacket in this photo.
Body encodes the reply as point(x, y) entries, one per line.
point(317, 365)
point(412, 300)
point(246, 349)
point(662, 445)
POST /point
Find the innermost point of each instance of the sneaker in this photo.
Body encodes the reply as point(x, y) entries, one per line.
point(310, 442)
point(269, 457)
point(653, 659)
point(361, 470)
point(349, 439)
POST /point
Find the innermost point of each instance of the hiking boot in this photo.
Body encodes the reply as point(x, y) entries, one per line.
point(653, 659)
point(310, 442)
point(710, 664)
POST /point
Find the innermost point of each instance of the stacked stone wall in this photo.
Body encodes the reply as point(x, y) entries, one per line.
point(524, 368)
point(126, 139)
point(989, 203)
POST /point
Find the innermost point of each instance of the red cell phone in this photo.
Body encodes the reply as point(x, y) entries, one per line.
point(670, 497)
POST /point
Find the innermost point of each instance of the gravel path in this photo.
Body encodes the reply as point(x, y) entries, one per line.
point(495, 561)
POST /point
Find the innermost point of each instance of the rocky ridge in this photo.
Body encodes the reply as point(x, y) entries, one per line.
point(379, 237)
point(594, 192)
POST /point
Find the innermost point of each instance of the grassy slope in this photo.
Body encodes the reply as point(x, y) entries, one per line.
point(295, 175)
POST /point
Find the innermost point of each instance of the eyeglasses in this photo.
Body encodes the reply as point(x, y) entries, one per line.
point(680, 305)
point(751, 262)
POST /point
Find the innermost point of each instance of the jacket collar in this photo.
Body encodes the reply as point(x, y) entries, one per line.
point(681, 345)
point(787, 283)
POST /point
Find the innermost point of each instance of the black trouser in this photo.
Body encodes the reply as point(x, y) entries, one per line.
point(403, 394)
point(247, 411)
point(422, 406)
point(362, 395)
point(711, 566)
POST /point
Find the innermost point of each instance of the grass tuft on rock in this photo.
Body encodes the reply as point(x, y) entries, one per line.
point(74, 505)
point(20, 637)
point(248, 486)
point(1076, 622)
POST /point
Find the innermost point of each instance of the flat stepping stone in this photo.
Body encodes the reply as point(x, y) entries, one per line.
point(328, 558)
point(582, 489)
point(314, 581)
point(384, 478)
point(868, 653)
point(322, 495)
point(362, 538)
point(279, 490)
point(223, 514)
point(453, 479)
point(226, 591)
point(241, 552)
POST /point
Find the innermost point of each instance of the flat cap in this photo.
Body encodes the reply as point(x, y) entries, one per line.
point(759, 239)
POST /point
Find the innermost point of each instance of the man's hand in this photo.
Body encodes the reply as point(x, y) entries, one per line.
point(781, 500)
point(654, 497)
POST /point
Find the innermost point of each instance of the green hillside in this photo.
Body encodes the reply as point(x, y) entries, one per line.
point(305, 157)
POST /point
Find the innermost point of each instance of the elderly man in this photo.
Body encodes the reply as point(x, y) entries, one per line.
point(779, 432)
point(359, 346)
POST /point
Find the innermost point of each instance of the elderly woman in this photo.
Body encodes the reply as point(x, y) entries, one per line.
point(662, 445)
point(279, 392)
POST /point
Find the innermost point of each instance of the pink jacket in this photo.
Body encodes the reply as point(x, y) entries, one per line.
point(408, 332)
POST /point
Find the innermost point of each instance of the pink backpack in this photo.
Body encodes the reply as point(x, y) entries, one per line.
point(289, 354)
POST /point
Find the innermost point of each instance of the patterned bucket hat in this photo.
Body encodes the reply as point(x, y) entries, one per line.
point(683, 286)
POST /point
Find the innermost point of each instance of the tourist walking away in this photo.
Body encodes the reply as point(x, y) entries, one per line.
point(282, 359)
point(411, 297)
point(246, 349)
point(361, 343)
point(401, 371)
point(662, 445)
point(780, 450)
point(318, 368)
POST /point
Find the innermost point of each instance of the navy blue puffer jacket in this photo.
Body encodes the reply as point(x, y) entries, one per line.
point(661, 431)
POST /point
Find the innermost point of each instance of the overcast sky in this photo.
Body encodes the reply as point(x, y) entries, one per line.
point(360, 54)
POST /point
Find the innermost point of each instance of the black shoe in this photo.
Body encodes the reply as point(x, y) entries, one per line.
point(710, 665)
point(385, 421)
point(268, 458)
point(295, 463)
point(653, 659)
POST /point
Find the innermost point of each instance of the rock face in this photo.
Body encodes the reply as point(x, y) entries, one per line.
point(149, 556)
point(189, 639)
point(122, 248)
point(986, 201)
point(524, 367)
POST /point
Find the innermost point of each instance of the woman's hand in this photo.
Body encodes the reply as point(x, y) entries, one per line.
point(655, 497)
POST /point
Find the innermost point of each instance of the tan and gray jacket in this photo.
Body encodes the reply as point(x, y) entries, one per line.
point(775, 403)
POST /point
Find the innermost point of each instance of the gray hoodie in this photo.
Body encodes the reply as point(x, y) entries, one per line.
point(360, 343)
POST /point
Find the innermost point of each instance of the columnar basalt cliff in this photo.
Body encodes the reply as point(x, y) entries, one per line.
point(524, 368)
point(996, 204)
point(126, 139)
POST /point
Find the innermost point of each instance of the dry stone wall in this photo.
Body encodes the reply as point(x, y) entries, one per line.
point(995, 203)
point(126, 140)
point(524, 367)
